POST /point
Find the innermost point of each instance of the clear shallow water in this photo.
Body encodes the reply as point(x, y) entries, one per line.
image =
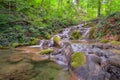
point(25, 69)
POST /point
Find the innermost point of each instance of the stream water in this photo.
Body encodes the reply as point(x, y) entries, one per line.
point(25, 63)
point(15, 66)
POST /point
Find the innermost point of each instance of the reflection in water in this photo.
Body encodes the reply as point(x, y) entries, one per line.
point(14, 65)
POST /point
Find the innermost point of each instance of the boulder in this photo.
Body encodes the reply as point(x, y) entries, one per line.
point(114, 60)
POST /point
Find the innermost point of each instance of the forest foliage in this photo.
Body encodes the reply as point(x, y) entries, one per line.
point(23, 20)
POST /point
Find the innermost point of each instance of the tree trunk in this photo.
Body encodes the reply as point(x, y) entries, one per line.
point(110, 7)
point(99, 8)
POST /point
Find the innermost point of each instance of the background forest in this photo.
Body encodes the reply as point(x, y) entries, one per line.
point(23, 22)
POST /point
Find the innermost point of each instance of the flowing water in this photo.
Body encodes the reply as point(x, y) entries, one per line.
point(15, 66)
point(22, 65)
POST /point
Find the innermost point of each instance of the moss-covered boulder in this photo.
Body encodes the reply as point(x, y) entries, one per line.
point(91, 34)
point(78, 59)
point(57, 40)
point(75, 35)
point(46, 51)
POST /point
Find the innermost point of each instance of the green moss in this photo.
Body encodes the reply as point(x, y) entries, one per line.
point(104, 41)
point(47, 36)
point(4, 47)
point(34, 41)
point(92, 33)
point(78, 59)
point(46, 51)
point(56, 39)
point(75, 35)
point(15, 44)
point(116, 43)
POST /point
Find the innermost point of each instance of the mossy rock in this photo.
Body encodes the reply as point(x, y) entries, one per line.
point(104, 41)
point(75, 35)
point(4, 47)
point(16, 44)
point(57, 40)
point(92, 33)
point(78, 59)
point(46, 51)
point(116, 43)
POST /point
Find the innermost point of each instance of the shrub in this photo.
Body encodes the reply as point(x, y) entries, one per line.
point(46, 51)
point(78, 59)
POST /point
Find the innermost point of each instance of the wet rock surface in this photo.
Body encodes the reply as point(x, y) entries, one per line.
point(101, 62)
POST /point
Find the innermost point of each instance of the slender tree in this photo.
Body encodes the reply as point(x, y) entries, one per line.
point(99, 8)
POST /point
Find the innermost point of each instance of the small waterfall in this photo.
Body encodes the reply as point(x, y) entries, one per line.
point(41, 44)
point(64, 34)
point(85, 35)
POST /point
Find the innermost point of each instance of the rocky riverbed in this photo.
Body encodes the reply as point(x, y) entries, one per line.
point(101, 62)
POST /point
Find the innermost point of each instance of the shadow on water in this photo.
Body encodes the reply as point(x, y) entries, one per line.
point(26, 69)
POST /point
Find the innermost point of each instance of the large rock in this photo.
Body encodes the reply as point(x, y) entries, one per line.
point(92, 70)
point(113, 67)
point(114, 60)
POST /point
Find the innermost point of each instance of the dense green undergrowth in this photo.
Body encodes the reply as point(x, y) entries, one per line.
point(108, 29)
point(21, 22)
point(110, 26)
